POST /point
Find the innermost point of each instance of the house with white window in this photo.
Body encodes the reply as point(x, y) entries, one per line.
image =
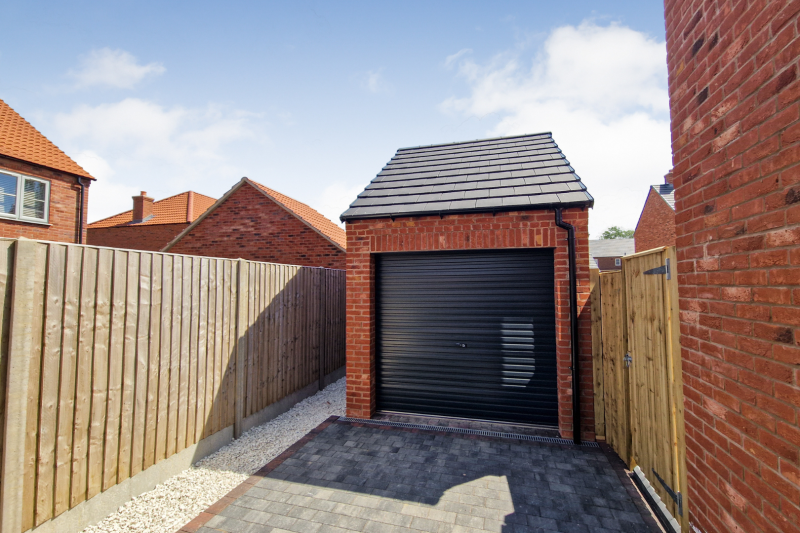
point(44, 194)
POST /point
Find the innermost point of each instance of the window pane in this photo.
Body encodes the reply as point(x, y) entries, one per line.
point(8, 193)
point(33, 199)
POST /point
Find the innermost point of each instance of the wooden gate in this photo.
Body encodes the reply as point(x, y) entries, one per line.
point(643, 387)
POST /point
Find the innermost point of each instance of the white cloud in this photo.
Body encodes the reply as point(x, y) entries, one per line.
point(374, 82)
point(138, 145)
point(449, 60)
point(113, 68)
point(335, 199)
point(602, 91)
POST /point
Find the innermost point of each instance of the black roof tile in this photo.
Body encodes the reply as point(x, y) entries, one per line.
point(526, 171)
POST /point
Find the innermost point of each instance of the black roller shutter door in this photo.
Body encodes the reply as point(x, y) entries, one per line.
point(468, 334)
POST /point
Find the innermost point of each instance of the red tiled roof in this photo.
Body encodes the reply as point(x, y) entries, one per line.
point(20, 140)
point(308, 214)
point(172, 210)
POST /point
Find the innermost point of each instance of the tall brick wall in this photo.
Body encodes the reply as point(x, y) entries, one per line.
point(467, 232)
point(251, 226)
point(65, 202)
point(733, 68)
point(135, 237)
point(656, 225)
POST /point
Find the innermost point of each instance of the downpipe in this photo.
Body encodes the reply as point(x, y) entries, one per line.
point(80, 215)
point(573, 326)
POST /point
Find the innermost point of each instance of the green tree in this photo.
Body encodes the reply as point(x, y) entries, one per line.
point(615, 232)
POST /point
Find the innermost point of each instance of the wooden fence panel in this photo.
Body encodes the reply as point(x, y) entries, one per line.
point(597, 352)
point(615, 373)
point(134, 356)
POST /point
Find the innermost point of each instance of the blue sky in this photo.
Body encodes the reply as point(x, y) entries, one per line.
point(313, 98)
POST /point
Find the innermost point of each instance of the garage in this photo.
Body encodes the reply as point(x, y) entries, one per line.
point(467, 287)
point(454, 326)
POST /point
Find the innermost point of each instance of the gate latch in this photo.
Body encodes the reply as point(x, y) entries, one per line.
point(628, 360)
point(461, 344)
point(672, 494)
point(660, 270)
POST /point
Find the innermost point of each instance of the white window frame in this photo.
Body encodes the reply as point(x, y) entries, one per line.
point(21, 178)
point(617, 261)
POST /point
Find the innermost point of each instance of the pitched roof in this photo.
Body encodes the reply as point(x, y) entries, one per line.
point(504, 173)
point(611, 247)
point(20, 140)
point(306, 214)
point(667, 192)
point(172, 210)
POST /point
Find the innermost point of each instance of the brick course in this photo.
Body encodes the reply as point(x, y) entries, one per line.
point(365, 238)
point(65, 201)
point(656, 225)
point(138, 237)
point(251, 226)
point(735, 120)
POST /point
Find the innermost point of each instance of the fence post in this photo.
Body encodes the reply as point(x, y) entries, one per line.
point(20, 343)
point(241, 347)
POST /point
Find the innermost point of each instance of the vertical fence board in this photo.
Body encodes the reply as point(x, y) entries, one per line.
point(154, 361)
point(115, 368)
point(202, 356)
point(192, 356)
point(183, 384)
point(66, 404)
point(218, 345)
point(102, 327)
point(175, 356)
point(21, 347)
point(35, 367)
point(208, 416)
point(6, 277)
point(129, 368)
point(165, 359)
point(142, 364)
point(51, 363)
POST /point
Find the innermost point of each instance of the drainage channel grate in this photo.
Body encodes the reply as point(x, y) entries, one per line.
point(465, 431)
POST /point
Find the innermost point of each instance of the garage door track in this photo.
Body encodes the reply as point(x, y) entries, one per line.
point(348, 476)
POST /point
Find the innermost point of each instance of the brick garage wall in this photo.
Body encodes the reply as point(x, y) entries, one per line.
point(251, 226)
point(467, 232)
point(136, 237)
point(733, 69)
point(656, 225)
point(65, 202)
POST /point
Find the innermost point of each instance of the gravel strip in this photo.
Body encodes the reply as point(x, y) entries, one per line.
point(178, 500)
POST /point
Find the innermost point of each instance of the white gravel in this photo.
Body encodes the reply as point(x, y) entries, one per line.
point(178, 500)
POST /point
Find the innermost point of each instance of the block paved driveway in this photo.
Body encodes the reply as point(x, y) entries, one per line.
point(352, 477)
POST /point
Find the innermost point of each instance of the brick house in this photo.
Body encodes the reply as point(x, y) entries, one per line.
point(734, 91)
point(149, 225)
point(656, 226)
point(453, 249)
point(54, 189)
point(254, 222)
point(607, 254)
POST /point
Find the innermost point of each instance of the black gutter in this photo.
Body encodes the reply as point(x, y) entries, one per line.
point(473, 211)
point(573, 326)
point(83, 202)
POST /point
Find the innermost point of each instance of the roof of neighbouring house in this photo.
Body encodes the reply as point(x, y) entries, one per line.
point(305, 213)
point(171, 210)
point(667, 192)
point(20, 140)
point(500, 174)
point(611, 247)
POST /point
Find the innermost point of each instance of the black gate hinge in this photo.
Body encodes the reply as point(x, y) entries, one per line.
point(676, 496)
point(664, 269)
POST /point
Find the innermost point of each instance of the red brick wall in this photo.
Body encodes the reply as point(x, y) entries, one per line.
point(138, 237)
point(467, 232)
point(656, 225)
point(251, 226)
point(65, 201)
point(606, 264)
point(733, 68)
